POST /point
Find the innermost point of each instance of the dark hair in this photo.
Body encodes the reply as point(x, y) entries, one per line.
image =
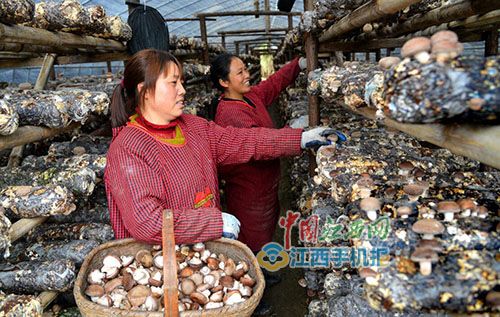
point(219, 69)
point(144, 67)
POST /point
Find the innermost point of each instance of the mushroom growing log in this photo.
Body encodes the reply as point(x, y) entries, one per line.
point(16, 11)
point(36, 201)
point(71, 231)
point(35, 276)
point(55, 109)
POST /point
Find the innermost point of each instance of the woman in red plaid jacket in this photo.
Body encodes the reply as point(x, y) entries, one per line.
point(252, 187)
point(160, 158)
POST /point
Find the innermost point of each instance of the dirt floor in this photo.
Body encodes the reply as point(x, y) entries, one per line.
point(287, 298)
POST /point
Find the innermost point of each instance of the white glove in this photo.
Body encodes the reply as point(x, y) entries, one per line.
point(302, 63)
point(313, 138)
point(230, 226)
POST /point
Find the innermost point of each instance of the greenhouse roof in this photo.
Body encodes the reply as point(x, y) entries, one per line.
point(189, 9)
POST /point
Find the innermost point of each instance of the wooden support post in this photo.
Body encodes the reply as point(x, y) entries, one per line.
point(377, 55)
point(247, 48)
point(15, 156)
point(108, 66)
point(223, 40)
point(348, 56)
point(388, 51)
point(491, 43)
point(43, 76)
point(204, 39)
point(311, 48)
point(237, 48)
point(367, 56)
point(171, 300)
point(290, 22)
point(353, 56)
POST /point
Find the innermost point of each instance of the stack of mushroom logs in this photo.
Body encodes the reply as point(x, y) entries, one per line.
point(67, 16)
point(135, 281)
point(383, 173)
point(432, 83)
point(53, 109)
point(66, 185)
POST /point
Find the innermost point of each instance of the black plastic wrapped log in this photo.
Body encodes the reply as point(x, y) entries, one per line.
point(9, 119)
point(37, 276)
point(74, 250)
point(82, 144)
point(99, 214)
point(5, 225)
point(97, 16)
point(115, 28)
point(71, 231)
point(75, 17)
point(56, 109)
point(80, 180)
point(48, 16)
point(16, 11)
point(19, 305)
point(458, 283)
point(37, 201)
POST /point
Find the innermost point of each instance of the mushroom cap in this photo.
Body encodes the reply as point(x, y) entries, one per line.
point(388, 61)
point(406, 165)
point(370, 203)
point(424, 255)
point(448, 206)
point(467, 204)
point(428, 226)
point(444, 35)
point(482, 210)
point(137, 295)
point(144, 257)
point(430, 244)
point(493, 298)
point(367, 272)
point(198, 298)
point(94, 290)
point(447, 47)
point(415, 46)
point(404, 210)
point(414, 189)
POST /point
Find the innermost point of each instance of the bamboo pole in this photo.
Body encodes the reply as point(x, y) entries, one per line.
point(169, 266)
point(46, 298)
point(23, 226)
point(367, 13)
point(241, 32)
point(457, 11)
point(491, 43)
point(478, 142)
point(241, 13)
point(23, 34)
point(29, 134)
point(43, 75)
point(204, 39)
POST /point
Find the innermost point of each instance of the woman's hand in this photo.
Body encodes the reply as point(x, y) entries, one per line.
point(319, 136)
point(230, 226)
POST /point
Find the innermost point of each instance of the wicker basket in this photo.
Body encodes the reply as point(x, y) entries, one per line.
point(234, 249)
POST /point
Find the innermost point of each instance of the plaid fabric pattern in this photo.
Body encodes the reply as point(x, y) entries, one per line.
point(252, 188)
point(144, 176)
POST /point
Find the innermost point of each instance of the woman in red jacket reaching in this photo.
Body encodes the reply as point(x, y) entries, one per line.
point(160, 158)
point(252, 187)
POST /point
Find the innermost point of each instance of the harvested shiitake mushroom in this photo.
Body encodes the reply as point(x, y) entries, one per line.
point(137, 295)
point(144, 257)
